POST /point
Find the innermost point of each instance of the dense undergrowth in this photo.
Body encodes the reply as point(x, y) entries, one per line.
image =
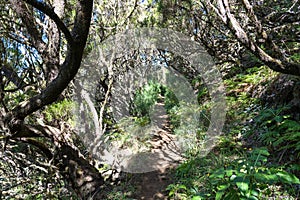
point(258, 154)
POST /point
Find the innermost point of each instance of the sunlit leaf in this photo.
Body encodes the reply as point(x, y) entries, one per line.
point(287, 177)
point(243, 186)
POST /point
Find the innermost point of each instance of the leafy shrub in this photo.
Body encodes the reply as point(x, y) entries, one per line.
point(147, 96)
point(144, 99)
point(279, 131)
point(247, 177)
point(59, 111)
point(250, 176)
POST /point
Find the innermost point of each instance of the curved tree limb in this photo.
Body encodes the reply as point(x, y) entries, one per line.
point(278, 62)
point(48, 10)
point(67, 71)
point(29, 22)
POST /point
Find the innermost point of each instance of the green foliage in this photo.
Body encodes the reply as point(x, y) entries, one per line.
point(170, 99)
point(296, 57)
point(279, 131)
point(233, 171)
point(147, 96)
point(121, 192)
point(178, 190)
point(249, 176)
point(59, 111)
point(244, 178)
point(191, 176)
point(240, 89)
point(135, 132)
point(25, 174)
point(174, 114)
point(248, 78)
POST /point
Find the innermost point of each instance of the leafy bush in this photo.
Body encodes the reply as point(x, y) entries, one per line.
point(247, 177)
point(146, 97)
point(59, 111)
point(250, 176)
point(279, 131)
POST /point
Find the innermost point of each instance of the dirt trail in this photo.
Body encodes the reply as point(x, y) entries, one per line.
point(152, 185)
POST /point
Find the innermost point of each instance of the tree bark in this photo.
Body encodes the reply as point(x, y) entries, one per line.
point(83, 178)
point(77, 171)
point(272, 56)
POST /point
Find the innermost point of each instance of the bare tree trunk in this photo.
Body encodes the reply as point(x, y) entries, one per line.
point(85, 180)
point(273, 57)
point(52, 60)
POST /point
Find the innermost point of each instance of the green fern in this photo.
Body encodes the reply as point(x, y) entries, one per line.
point(279, 131)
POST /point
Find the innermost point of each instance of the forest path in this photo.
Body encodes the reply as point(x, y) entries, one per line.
point(152, 185)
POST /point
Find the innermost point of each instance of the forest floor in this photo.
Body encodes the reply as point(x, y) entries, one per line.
point(245, 149)
point(152, 185)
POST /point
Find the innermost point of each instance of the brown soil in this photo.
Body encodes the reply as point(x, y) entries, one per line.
point(152, 185)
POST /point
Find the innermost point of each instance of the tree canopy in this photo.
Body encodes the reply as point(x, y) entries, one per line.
point(43, 43)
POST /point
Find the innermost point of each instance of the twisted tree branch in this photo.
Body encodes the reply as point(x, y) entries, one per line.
point(48, 10)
